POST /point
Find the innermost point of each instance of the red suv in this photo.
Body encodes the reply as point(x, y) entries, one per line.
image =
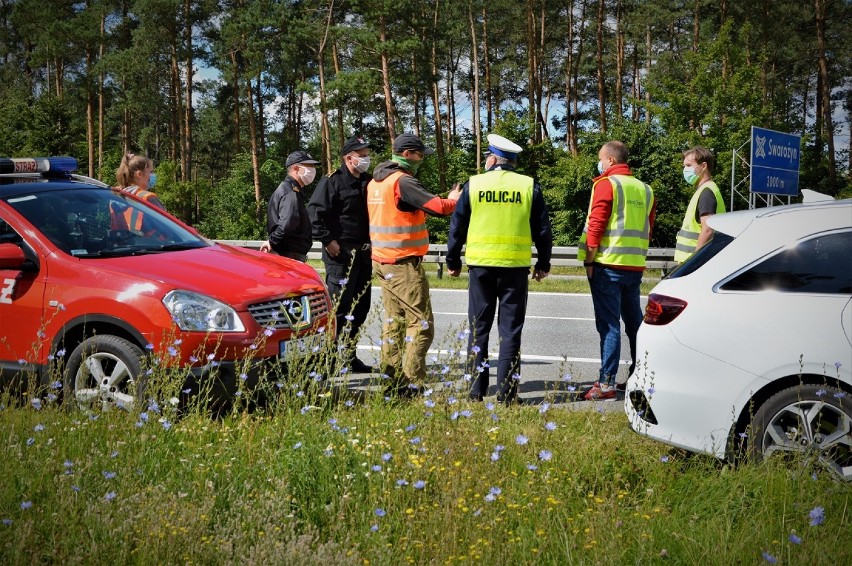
point(107, 306)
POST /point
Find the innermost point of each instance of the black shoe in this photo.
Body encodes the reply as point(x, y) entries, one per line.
point(402, 391)
point(358, 366)
point(621, 386)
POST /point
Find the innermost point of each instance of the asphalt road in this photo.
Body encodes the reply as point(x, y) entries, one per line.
point(559, 340)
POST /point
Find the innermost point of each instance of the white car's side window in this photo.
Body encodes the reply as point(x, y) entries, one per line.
point(817, 265)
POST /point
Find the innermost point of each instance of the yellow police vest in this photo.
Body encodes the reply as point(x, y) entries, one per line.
point(687, 237)
point(625, 240)
point(499, 231)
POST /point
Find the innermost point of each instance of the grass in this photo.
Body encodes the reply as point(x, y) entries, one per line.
point(561, 279)
point(317, 479)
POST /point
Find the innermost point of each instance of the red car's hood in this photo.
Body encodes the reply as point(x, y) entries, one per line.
point(233, 275)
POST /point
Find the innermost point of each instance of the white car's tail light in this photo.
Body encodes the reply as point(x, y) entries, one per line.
point(662, 309)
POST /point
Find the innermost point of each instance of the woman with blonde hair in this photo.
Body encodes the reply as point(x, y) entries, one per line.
point(136, 176)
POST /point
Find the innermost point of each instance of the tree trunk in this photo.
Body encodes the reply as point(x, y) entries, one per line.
point(341, 135)
point(575, 115)
point(532, 66)
point(176, 133)
point(619, 61)
point(436, 104)
point(569, 60)
point(474, 52)
point(261, 119)
point(634, 88)
point(390, 109)
point(101, 97)
point(90, 113)
point(825, 91)
point(486, 60)
point(255, 167)
point(189, 115)
point(696, 25)
point(601, 83)
point(236, 63)
point(648, 58)
point(325, 127)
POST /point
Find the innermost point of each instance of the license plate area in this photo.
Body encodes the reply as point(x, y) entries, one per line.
point(300, 347)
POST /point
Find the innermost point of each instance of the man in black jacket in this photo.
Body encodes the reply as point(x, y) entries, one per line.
point(287, 218)
point(338, 211)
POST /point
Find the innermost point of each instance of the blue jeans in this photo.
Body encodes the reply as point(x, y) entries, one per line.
point(615, 295)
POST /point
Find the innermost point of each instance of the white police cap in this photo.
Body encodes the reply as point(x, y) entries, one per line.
point(498, 145)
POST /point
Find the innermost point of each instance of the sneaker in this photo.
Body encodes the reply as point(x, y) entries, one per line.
point(599, 392)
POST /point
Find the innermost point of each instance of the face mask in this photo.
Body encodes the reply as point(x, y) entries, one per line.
point(308, 176)
point(600, 167)
point(362, 164)
point(407, 164)
point(152, 180)
point(689, 175)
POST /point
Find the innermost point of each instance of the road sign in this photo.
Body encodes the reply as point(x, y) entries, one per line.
point(774, 162)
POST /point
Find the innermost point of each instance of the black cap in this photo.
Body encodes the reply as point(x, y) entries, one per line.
point(410, 142)
point(300, 156)
point(354, 144)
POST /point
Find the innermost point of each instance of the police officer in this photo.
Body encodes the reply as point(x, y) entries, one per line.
point(500, 215)
point(338, 211)
point(705, 202)
point(613, 249)
point(287, 217)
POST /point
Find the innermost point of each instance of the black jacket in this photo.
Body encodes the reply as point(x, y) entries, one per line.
point(338, 209)
point(287, 219)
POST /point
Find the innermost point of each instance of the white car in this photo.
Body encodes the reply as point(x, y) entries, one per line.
point(747, 346)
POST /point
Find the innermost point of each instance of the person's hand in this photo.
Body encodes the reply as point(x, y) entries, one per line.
point(333, 248)
point(538, 274)
point(455, 193)
point(266, 247)
point(453, 272)
point(590, 271)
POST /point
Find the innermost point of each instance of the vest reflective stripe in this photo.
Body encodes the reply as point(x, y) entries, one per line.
point(394, 234)
point(687, 237)
point(625, 239)
point(499, 231)
point(132, 216)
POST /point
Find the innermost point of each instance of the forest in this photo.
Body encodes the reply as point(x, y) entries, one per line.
point(219, 92)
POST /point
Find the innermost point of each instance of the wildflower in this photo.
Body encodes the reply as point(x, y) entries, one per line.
point(415, 440)
point(550, 425)
point(769, 558)
point(56, 385)
point(26, 504)
point(243, 376)
point(380, 512)
point(60, 353)
point(820, 392)
point(113, 454)
point(349, 403)
point(651, 390)
point(476, 349)
point(6, 522)
point(499, 448)
point(664, 459)
point(297, 446)
point(401, 483)
point(374, 528)
point(22, 361)
point(521, 440)
point(108, 475)
point(840, 395)
point(139, 424)
point(467, 413)
point(211, 357)
point(429, 403)
point(75, 488)
point(268, 331)
point(837, 365)
point(532, 467)
point(332, 421)
point(166, 424)
point(419, 484)
point(68, 464)
point(305, 409)
point(743, 435)
point(36, 403)
point(571, 388)
point(454, 416)
point(153, 406)
point(467, 377)
point(544, 407)
point(30, 441)
point(300, 393)
point(545, 455)
point(388, 276)
point(495, 456)
point(93, 417)
point(386, 457)
point(495, 490)
point(794, 538)
point(494, 417)
point(452, 400)
point(490, 497)
point(172, 351)
point(567, 377)
point(516, 376)
point(410, 427)
point(187, 391)
point(817, 516)
point(109, 496)
point(143, 417)
point(376, 468)
point(328, 452)
point(489, 406)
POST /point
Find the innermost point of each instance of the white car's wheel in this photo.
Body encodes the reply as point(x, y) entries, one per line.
point(104, 372)
point(812, 423)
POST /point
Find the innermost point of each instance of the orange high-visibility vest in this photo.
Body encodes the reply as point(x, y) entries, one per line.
point(394, 234)
point(133, 217)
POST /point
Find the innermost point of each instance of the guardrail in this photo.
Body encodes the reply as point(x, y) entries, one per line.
point(658, 258)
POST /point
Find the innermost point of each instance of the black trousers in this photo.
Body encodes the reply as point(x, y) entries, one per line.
point(349, 280)
point(488, 287)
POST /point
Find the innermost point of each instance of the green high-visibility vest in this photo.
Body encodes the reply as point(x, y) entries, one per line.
point(625, 240)
point(499, 231)
point(687, 237)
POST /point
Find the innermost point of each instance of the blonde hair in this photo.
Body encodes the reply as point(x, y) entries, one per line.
point(125, 175)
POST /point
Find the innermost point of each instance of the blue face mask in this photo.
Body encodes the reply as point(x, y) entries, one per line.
point(689, 175)
point(152, 180)
point(600, 167)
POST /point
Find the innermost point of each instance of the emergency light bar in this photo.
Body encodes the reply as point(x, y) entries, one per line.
point(38, 165)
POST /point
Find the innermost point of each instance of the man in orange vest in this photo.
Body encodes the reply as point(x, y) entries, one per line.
point(398, 204)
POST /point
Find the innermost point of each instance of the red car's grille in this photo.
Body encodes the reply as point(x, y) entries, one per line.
point(294, 313)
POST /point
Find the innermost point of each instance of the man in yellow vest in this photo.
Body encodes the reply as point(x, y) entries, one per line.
point(500, 215)
point(397, 204)
point(707, 200)
point(613, 249)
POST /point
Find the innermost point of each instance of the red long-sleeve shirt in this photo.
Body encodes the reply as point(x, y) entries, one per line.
point(601, 209)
